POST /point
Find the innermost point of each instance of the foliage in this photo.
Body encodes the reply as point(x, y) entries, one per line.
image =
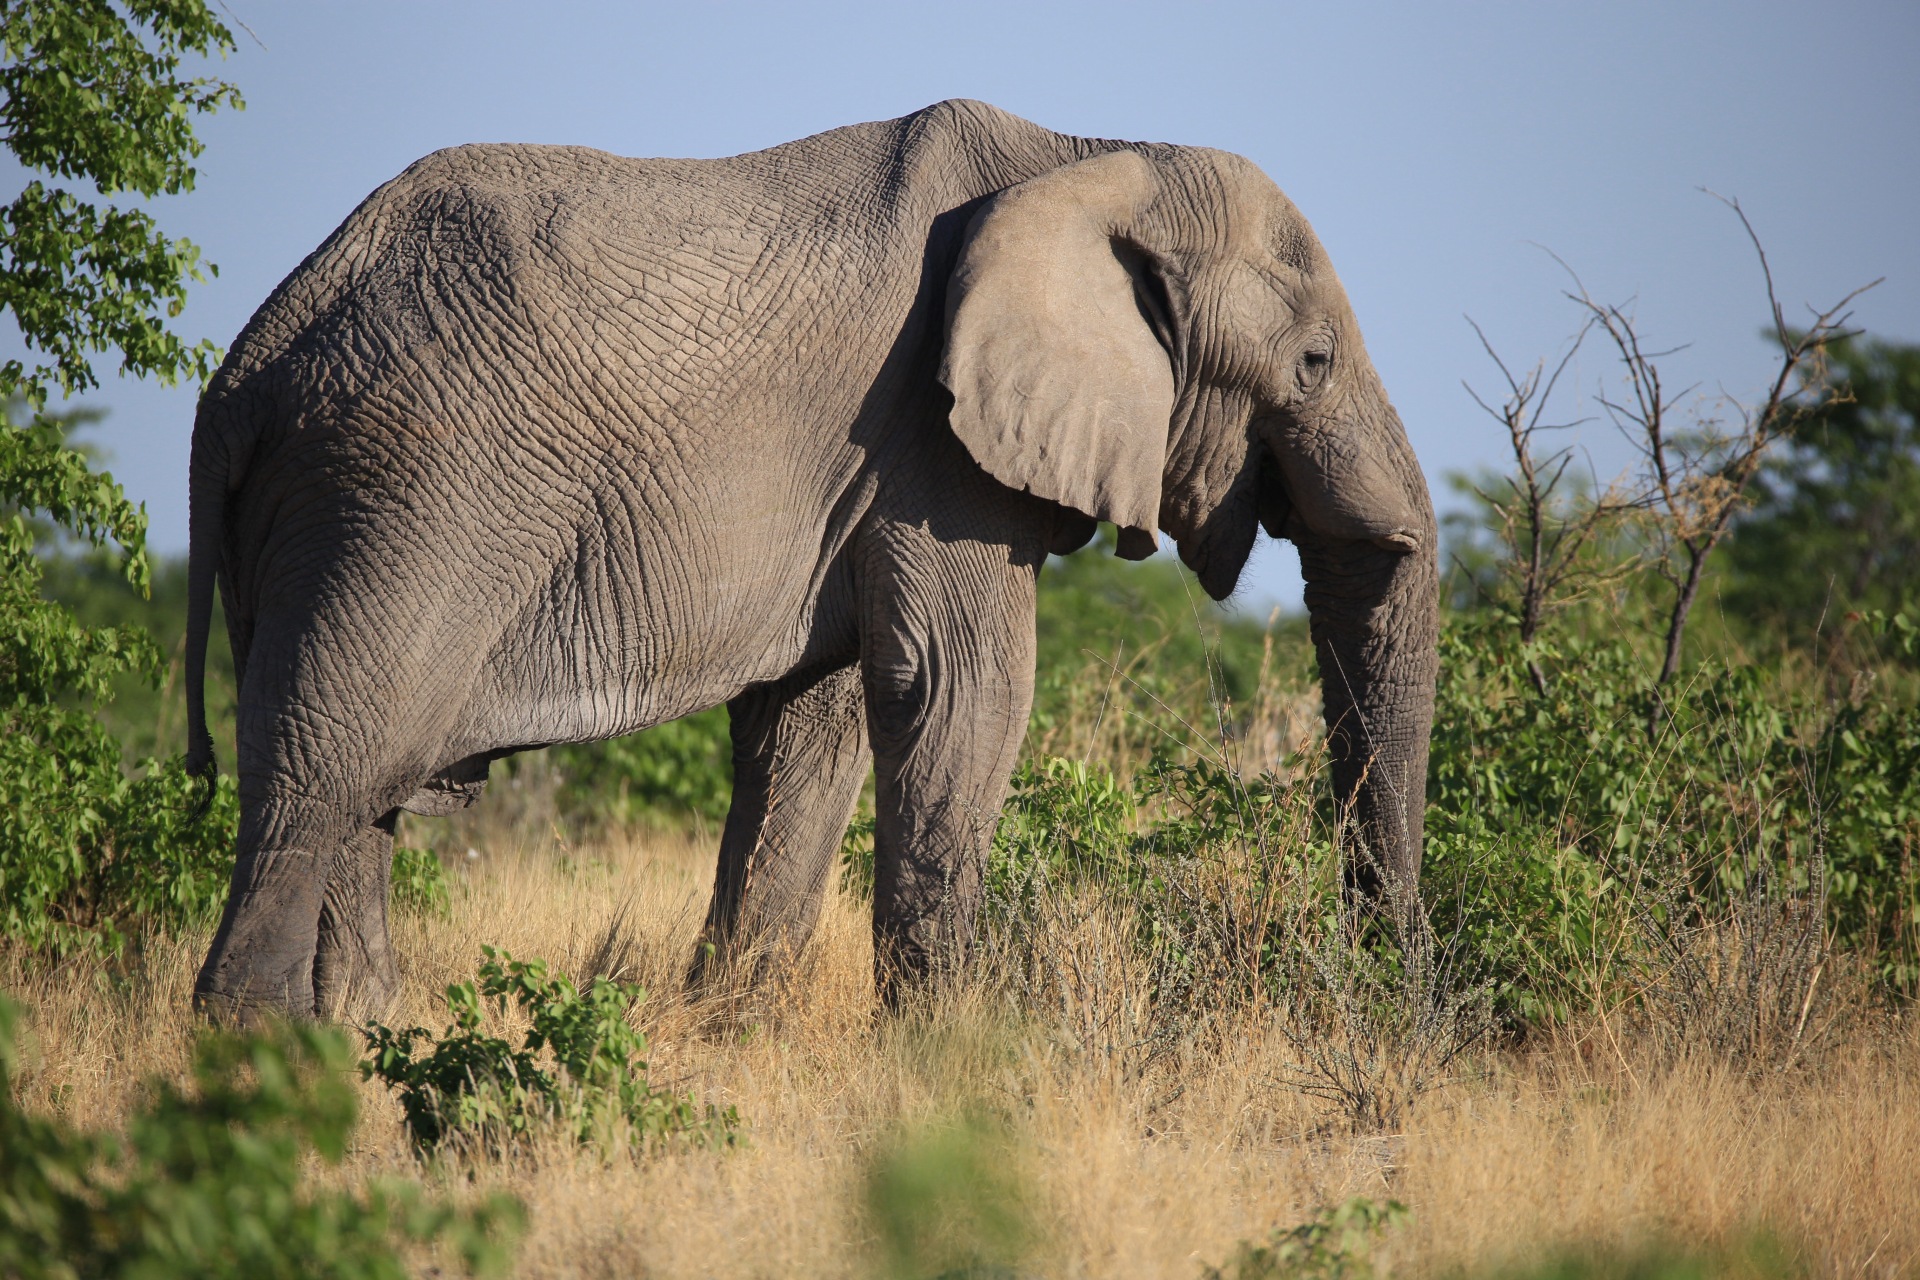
point(680, 769)
point(1337, 1244)
point(474, 1087)
point(856, 854)
point(90, 851)
point(418, 882)
point(1068, 822)
point(949, 1200)
point(208, 1181)
point(1835, 522)
point(1553, 823)
point(1606, 818)
point(146, 717)
point(91, 94)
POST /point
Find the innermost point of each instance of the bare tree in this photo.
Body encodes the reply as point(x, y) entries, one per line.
point(1544, 530)
point(1697, 471)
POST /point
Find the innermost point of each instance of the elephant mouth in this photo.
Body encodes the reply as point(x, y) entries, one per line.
point(1218, 551)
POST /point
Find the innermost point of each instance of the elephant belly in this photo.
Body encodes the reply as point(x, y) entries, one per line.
point(612, 645)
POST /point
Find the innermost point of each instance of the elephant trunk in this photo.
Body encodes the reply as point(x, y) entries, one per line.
point(1375, 625)
point(1374, 604)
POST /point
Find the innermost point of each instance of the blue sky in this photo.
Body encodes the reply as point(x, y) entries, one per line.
point(1436, 148)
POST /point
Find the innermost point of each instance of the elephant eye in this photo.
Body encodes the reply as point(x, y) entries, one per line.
point(1314, 364)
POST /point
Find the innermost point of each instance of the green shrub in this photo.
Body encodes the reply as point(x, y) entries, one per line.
point(207, 1181)
point(1337, 1244)
point(88, 850)
point(90, 854)
point(476, 1088)
point(1555, 819)
point(856, 854)
point(677, 770)
point(949, 1200)
point(419, 882)
point(1067, 822)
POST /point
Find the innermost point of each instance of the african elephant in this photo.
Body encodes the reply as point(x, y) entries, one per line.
point(547, 445)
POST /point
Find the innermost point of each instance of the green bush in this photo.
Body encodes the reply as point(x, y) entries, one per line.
point(419, 882)
point(950, 1199)
point(1337, 1244)
point(207, 1181)
point(476, 1088)
point(1067, 822)
point(677, 770)
point(87, 850)
point(1555, 818)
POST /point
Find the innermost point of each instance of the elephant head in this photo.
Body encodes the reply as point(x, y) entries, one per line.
point(1154, 337)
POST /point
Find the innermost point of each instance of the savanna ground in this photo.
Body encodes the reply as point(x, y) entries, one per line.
point(1113, 1172)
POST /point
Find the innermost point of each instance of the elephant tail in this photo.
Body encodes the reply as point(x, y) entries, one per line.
point(206, 504)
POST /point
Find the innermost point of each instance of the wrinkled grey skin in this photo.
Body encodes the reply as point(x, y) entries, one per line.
point(546, 445)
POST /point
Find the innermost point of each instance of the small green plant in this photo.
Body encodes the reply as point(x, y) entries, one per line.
point(856, 855)
point(207, 1181)
point(419, 882)
point(949, 1200)
point(477, 1088)
point(1337, 1244)
point(1067, 822)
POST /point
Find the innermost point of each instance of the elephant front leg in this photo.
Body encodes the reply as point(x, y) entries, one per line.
point(354, 970)
point(799, 759)
point(948, 657)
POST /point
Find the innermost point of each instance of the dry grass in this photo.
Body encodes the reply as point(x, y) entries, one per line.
point(1125, 1166)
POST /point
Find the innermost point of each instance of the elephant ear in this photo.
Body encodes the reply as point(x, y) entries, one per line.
point(1060, 385)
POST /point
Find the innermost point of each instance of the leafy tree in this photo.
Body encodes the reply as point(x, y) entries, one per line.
point(91, 97)
point(93, 94)
point(1836, 521)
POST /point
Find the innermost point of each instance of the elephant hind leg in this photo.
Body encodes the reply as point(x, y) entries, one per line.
point(261, 960)
point(799, 760)
point(333, 716)
point(355, 973)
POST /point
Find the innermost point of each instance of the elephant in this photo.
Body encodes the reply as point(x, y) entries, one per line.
point(546, 445)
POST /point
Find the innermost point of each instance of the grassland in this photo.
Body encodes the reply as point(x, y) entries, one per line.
point(1102, 1167)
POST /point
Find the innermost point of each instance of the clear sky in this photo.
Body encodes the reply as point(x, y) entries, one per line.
point(1435, 147)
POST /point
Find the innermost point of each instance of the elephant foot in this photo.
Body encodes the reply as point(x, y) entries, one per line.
point(242, 994)
point(241, 1013)
point(261, 962)
point(912, 969)
point(355, 975)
